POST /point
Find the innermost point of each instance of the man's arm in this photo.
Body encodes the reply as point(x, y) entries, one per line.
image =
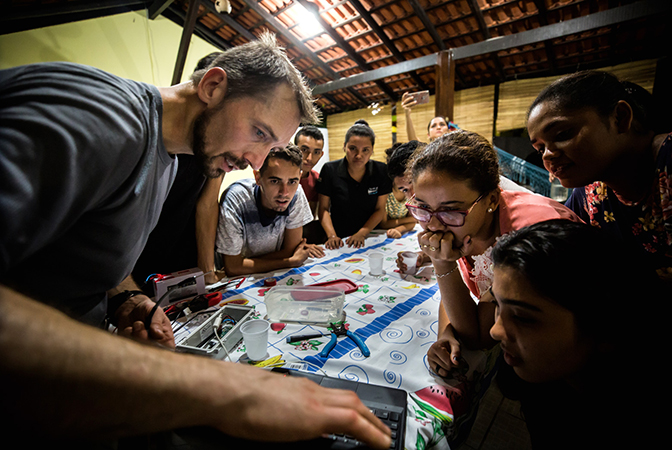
point(71, 380)
point(293, 253)
point(207, 212)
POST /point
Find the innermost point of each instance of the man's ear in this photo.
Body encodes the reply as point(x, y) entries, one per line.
point(624, 116)
point(212, 87)
point(257, 176)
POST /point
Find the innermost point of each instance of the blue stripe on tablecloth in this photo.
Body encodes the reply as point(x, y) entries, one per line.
point(302, 269)
point(346, 345)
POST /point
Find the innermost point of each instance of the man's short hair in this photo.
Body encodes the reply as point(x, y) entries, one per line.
point(204, 62)
point(258, 67)
point(310, 131)
point(290, 153)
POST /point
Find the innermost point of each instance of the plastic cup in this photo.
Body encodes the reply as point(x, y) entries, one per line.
point(410, 259)
point(376, 263)
point(255, 336)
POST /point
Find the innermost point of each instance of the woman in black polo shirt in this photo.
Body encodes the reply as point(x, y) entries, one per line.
point(353, 190)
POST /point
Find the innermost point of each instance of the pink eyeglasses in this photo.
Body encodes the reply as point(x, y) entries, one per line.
point(447, 218)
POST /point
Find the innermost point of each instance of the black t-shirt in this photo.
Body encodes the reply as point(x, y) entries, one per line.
point(352, 202)
point(171, 246)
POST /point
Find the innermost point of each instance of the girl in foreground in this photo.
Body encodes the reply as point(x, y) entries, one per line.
point(569, 349)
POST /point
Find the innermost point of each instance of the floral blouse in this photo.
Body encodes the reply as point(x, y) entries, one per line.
point(395, 209)
point(646, 224)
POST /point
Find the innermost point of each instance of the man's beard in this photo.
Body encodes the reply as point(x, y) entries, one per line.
point(210, 168)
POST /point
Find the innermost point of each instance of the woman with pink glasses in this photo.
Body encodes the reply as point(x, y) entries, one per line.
point(463, 212)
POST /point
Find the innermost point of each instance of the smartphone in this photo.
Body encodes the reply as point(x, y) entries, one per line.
point(421, 97)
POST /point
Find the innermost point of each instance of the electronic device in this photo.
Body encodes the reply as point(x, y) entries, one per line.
point(176, 286)
point(388, 403)
point(202, 341)
point(421, 97)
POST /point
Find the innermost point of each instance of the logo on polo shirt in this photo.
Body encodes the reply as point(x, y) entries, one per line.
point(373, 190)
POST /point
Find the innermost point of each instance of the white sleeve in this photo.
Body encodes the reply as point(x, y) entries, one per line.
point(230, 227)
point(300, 214)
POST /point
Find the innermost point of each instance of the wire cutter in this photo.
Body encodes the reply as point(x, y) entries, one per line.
point(340, 330)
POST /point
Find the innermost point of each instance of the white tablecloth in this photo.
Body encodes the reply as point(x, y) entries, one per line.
point(397, 317)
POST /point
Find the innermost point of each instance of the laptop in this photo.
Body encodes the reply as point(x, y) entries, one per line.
point(389, 404)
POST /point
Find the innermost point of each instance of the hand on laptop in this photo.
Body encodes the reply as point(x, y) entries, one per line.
point(279, 408)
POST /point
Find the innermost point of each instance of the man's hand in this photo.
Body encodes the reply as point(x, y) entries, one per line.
point(301, 253)
point(294, 408)
point(315, 251)
point(132, 315)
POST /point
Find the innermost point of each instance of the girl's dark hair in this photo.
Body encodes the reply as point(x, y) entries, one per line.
point(398, 157)
point(360, 128)
point(553, 255)
point(463, 155)
point(602, 91)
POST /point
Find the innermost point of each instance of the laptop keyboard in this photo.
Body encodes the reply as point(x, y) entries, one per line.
point(390, 418)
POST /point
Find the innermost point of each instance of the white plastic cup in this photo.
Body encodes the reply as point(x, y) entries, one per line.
point(410, 259)
point(255, 336)
point(376, 263)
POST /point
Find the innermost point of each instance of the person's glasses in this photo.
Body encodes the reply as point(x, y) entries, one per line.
point(446, 217)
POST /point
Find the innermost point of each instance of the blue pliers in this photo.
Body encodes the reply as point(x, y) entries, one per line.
point(340, 330)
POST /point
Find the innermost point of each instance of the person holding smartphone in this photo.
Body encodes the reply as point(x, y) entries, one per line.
point(437, 127)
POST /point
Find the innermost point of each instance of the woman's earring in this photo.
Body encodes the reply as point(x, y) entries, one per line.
point(489, 210)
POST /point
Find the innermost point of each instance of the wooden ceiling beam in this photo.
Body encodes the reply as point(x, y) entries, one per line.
point(231, 22)
point(346, 47)
point(175, 13)
point(371, 22)
point(27, 17)
point(187, 31)
point(429, 26)
point(268, 17)
point(476, 11)
point(542, 14)
point(606, 18)
point(157, 7)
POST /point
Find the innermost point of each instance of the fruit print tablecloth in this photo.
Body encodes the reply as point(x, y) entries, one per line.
point(397, 317)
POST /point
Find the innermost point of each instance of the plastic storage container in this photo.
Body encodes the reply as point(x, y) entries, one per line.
point(203, 341)
point(305, 304)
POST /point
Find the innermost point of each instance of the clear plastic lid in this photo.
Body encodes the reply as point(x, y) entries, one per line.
point(305, 304)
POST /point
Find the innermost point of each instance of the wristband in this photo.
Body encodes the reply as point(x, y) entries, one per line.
point(115, 302)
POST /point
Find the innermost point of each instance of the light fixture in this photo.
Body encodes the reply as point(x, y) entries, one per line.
point(307, 21)
point(375, 108)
